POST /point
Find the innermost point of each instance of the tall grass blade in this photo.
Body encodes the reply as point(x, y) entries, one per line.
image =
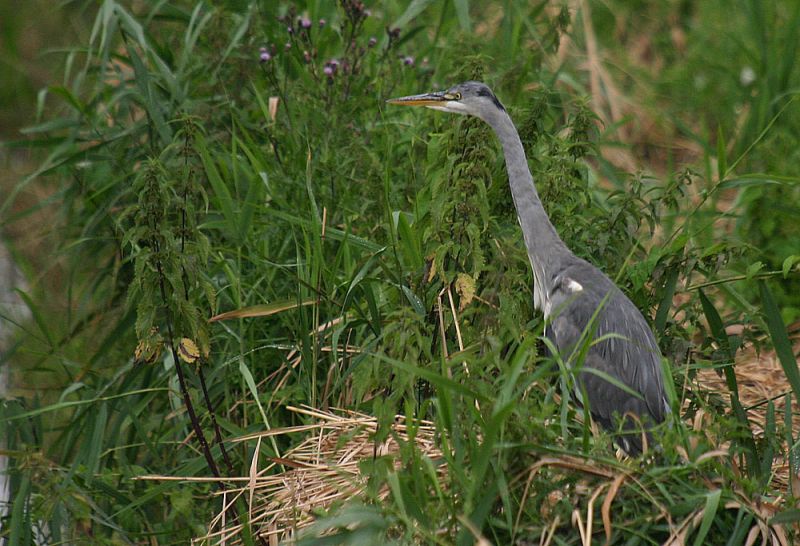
point(223, 194)
point(20, 523)
point(462, 12)
point(718, 331)
point(251, 384)
point(709, 513)
point(780, 339)
point(434, 378)
point(415, 8)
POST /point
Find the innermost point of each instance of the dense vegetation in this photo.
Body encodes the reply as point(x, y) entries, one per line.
point(240, 158)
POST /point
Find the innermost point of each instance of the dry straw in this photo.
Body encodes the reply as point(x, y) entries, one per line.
point(323, 469)
point(760, 378)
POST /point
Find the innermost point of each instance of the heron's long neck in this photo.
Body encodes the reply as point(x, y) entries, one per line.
point(545, 248)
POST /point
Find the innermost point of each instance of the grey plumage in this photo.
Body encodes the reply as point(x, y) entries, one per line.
point(569, 290)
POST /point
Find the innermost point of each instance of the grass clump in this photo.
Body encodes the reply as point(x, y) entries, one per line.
point(237, 162)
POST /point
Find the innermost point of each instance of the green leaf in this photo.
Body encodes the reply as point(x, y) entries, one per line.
point(52, 125)
point(409, 241)
point(251, 384)
point(788, 263)
point(755, 181)
point(151, 102)
point(462, 12)
point(221, 190)
point(715, 324)
point(611, 379)
point(709, 512)
point(666, 300)
point(41, 320)
point(68, 404)
point(791, 515)
point(434, 378)
point(718, 331)
point(20, 525)
point(235, 41)
point(780, 339)
point(415, 302)
point(372, 305)
point(363, 272)
point(130, 24)
point(397, 492)
point(722, 154)
point(752, 269)
point(412, 11)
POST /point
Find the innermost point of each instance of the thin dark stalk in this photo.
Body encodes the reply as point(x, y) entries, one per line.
point(187, 399)
point(214, 424)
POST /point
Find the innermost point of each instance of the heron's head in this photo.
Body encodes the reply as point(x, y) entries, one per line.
point(471, 98)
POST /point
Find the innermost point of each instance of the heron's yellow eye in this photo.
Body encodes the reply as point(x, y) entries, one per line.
point(458, 96)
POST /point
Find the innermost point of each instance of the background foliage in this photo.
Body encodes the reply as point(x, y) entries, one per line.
point(194, 158)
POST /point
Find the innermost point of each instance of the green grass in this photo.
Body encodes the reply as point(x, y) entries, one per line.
point(179, 194)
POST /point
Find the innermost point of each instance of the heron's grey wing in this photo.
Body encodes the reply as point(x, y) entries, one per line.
point(630, 356)
point(636, 351)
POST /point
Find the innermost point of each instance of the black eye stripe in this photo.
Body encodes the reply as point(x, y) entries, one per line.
point(484, 92)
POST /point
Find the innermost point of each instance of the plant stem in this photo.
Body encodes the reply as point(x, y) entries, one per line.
point(187, 399)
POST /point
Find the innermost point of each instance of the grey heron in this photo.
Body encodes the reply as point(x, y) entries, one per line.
point(572, 293)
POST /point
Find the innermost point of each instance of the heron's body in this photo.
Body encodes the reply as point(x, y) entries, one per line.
point(570, 291)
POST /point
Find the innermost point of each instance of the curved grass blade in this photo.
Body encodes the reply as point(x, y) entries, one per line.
point(709, 512)
point(263, 310)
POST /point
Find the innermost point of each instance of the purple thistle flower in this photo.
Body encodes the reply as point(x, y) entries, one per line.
point(288, 46)
point(305, 22)
point(408, 60)
point(264, 57)
point(328, 70)
point(322, 23)
point(290, 30)
point(372, 41)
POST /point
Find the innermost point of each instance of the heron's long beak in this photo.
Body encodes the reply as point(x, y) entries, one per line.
point(425, 99)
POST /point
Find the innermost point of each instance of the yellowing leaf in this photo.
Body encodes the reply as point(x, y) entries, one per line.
point(430, 263)
point(149, 349)
point(465, 286)
point(261, 310)
point(146, 353)
point(605, 511)
point(188, 351)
